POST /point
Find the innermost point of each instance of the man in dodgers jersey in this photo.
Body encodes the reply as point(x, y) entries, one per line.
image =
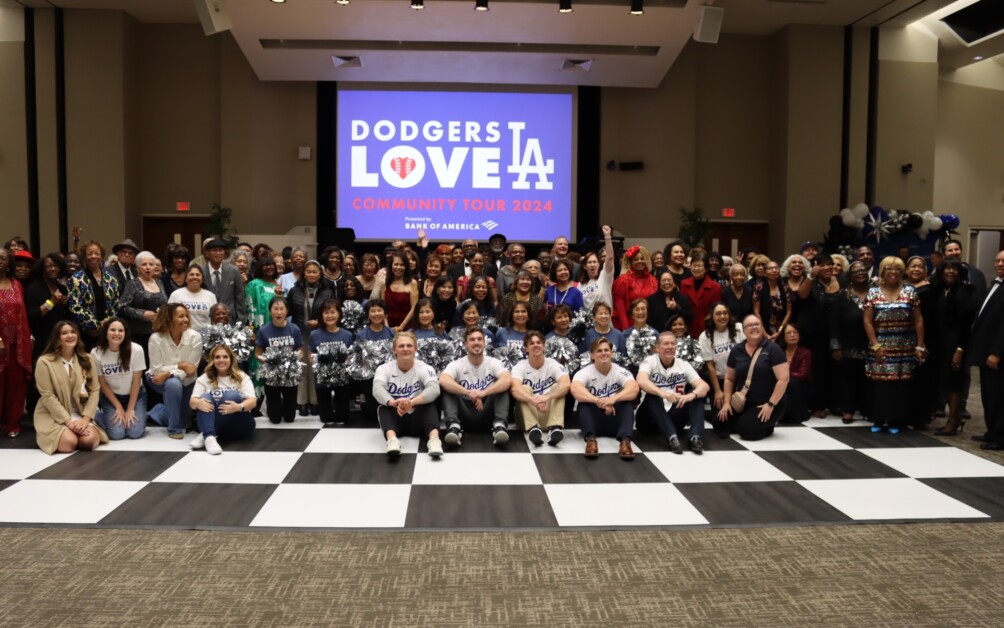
point(406, 388)
point(476, 392)
point(667, 404)
point(605, 392)
point(539, 385)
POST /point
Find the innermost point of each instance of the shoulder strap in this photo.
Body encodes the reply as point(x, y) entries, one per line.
point(749, 374)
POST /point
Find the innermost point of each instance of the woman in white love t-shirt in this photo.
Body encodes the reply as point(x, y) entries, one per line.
point(120, 363)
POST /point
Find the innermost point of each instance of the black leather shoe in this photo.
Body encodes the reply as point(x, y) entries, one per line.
point(303, 410)
point(674, 445)
point(992, 446)
point(697, 445)
point(980, 438)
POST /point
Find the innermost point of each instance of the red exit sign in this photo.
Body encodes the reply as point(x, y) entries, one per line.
point(728, 212)
point(182, 206)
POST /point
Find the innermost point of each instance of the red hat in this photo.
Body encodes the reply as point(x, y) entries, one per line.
point(23, 256)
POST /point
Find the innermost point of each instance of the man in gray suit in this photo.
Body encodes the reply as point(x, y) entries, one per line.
point(224, 279)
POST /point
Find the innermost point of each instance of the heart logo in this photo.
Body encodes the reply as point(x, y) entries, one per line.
point(403, 166)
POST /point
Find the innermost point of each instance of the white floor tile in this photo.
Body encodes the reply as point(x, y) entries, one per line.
point(357, 441)
point(621, 505)
point(63, 501)
point(17, 464)
point(715, 466)
point(155, 439)
point(892, 498)
point(235, 467)
point(573, 443)
point(792, 438)
point(834, 421)
point(477, 469)
point(336, 506)
point(936, 462)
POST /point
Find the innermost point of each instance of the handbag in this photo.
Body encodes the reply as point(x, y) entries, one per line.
point(738, 400)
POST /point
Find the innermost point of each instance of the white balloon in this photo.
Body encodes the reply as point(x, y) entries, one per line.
point(848, 218)
point(860, 210)
point(936, 224)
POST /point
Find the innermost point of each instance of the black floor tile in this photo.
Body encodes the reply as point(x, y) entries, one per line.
point(746, 503)
point(134, 466)
point(479, 507)
point(828, 465)
point(983, 494)
point(7, 483)
point(192, 505)
point(863, 438)
point(352, 469)
point(25, 440)
point(482, 443)
point(273, 440)
point(607, 469)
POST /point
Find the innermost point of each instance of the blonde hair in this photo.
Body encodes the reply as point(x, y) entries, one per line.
point(405, 334)
point(890, 262)
point(235, 372)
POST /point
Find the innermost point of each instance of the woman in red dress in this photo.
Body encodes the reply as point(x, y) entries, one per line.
point(400, 292)
point(15, 349)
point(635, 282)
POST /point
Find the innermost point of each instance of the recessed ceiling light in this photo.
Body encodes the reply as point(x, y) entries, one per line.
point(978, 58)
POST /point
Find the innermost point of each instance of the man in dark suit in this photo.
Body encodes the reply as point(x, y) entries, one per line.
point(463, 269)
point(986, 348)
point(125, 270)
point(224, 279)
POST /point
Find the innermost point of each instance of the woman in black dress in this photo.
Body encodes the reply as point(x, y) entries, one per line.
point(927, 391)
point(45, 300)
point(957, 307)
point(738, 295)
point(849, 344)
point(668, 302)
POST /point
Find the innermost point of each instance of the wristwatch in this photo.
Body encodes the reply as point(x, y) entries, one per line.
point(770, 403)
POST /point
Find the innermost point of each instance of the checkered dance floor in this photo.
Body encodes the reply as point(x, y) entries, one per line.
point(303, 475)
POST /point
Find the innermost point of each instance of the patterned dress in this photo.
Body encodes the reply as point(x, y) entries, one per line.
point(895, 331)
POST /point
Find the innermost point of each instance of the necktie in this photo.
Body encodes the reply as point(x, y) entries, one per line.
point(128, 275)
point(216, 280)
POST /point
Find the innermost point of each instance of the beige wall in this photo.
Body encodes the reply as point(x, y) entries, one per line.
point(13, 146)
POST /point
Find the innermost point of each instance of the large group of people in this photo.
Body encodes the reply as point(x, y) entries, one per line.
point(93, 347)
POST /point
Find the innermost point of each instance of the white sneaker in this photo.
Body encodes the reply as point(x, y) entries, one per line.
point(212, 447)
point(198, 442)
point(435, 447)
point(393, 447)
point(501, 436)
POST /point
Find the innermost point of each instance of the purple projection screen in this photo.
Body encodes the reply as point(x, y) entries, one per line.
point(457, 164)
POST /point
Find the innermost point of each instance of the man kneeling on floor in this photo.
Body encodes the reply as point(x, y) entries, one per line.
point(476, 393)
point(539, 385)
point(605, 392)
point(668, 406)
point(406, 388)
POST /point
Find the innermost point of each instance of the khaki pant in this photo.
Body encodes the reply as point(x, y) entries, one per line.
point(553, 417)
point(306, 393)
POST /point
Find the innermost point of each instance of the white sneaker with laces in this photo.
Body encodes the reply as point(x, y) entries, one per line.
point(435, 447)
point(212, 447)
point(198, 442)
point(393, 447)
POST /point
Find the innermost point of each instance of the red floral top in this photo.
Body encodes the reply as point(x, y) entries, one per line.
point(14, 325)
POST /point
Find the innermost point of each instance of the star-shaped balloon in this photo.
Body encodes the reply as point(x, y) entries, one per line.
point(879, 226)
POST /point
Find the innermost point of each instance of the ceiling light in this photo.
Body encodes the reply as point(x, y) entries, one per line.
point(637, 7)
point(342, 2)
point(480, 5)
point(279, 1)
point(418, 5)
point(564, 6)
point(978, 58)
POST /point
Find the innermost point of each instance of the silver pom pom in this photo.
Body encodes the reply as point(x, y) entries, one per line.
point(581, 322)
point(366, 356)
point(561, 349)
point(281, 366)
point(353, 316)
point(639, 345)
point(438, 352)
point(329, 369)
point(508, 355)
point(239, 338)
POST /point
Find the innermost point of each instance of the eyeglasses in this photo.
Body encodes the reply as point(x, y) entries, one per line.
point(752, 326)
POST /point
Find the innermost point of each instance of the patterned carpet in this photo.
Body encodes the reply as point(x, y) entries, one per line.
point(895, 575)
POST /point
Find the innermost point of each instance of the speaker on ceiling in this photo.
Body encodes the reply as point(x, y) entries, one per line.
point(709, 25)
point(213, 16)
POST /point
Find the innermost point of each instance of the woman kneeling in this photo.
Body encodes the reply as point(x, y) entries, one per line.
point(68, 388)
point(223, 399)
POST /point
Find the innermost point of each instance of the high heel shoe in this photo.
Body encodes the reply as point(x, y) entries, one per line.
point(949, 429)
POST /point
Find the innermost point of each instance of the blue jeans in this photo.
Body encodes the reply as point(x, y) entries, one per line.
point(117, 431)
point(175, 407)
point(226, 426)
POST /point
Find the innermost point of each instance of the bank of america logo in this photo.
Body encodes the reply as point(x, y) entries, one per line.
point(489, 224)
